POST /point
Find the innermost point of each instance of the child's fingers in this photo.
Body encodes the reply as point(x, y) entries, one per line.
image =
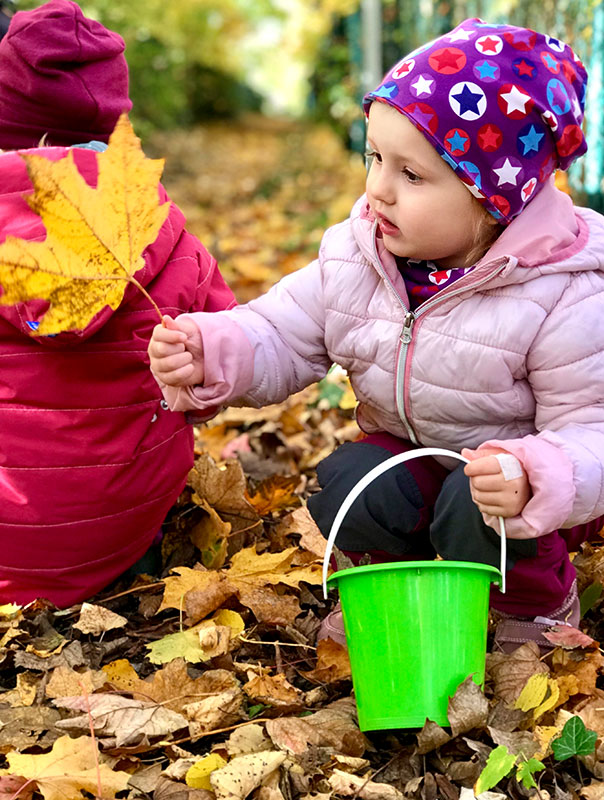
point(489, 483)
point(171, 363)
point(488, 465)
point(177, 377)
point(162, 334)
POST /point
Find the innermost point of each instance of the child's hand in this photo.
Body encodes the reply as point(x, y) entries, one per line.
point(491, 492)
point(176, 352)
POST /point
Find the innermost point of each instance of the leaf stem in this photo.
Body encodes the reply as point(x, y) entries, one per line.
point(142, 289)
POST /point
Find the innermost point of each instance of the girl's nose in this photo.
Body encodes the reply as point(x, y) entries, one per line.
point(379, 184)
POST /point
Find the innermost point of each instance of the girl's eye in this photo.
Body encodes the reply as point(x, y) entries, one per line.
point(411, 176)
point(371, 156)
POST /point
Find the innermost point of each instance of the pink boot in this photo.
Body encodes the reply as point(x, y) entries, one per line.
point(332, 626)
point(512, 632)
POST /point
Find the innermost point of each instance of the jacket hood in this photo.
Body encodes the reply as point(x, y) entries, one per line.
point(575, 242)
point(17, 219)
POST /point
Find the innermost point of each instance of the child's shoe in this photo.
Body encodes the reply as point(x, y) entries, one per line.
point(512, 632)
point(332, 626)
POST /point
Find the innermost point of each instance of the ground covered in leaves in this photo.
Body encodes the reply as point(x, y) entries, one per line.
point(201, 678)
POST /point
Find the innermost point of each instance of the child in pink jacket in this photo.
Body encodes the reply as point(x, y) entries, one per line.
point(465, 298)
point(91, 460)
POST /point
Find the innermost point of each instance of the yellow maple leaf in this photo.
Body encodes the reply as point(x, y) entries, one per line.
point(95, 237)
point(69, 768)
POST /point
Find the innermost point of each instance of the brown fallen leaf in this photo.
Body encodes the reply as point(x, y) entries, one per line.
point(269, 607)
point(334, 726)
point(96, 620)
point(210, 536)
point(68, 682)
point(175, 790)
point(121, 717)
point(511, 672)
point(32, 726)
point(244, 773)
point(300, 522)
point(273, 690)
point(71, 766)
point(583, 665)
point(468, 708)
point(347, 785)
point(431, 737)
point(333, 663)
point(217, 711)
point(208, 582)
point(248, 739)
point(275, 493)
point(224, 489)
point(24, 693)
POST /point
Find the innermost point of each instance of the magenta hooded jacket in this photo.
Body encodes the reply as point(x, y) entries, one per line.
point(511, 354)
point(91, 459)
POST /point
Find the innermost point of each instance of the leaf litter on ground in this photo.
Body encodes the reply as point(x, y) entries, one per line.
point(205, 681)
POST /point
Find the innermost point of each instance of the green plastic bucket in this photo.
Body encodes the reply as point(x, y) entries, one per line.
point(415, 629)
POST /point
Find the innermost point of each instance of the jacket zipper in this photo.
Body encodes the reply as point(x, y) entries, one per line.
point(406, 335)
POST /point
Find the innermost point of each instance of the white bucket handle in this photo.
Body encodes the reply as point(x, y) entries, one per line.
point(375, 473)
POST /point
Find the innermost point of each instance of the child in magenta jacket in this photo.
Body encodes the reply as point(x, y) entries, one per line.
point(465, 297)
point(90, 458)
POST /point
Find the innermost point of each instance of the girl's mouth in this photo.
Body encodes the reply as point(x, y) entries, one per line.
point(386, 227)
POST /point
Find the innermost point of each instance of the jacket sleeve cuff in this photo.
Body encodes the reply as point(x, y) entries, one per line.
point(550, 474)
point(228, 368)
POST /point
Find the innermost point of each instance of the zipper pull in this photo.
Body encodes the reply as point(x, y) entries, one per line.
point(408, 327)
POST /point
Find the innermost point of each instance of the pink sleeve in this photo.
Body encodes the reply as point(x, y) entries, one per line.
point(550, 473)
point(228, 365)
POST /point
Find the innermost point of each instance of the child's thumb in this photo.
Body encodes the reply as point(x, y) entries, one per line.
point(169, 323)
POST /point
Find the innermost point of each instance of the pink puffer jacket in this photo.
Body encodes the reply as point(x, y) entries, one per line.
point(512, 353)
point(90, 458)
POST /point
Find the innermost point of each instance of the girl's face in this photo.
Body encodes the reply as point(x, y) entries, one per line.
point(423, 210)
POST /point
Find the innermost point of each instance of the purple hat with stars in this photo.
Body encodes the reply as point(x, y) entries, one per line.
point(502, 105)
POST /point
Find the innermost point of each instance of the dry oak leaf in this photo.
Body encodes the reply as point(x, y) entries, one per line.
point(273, 690)
point(248, 739)
point(275, 493)
point(244, 773)
point(511, 672)
point(126, 719)
point(270, 607)
point(211, 589)
point(300, 522)
point(346, 785)
point(210, 537)
point(333, 726)
point(95, 237)
point(68, 682)
point(223, 488)
point(333, 663)
point(72, 766)
point(468, 708)
point(24, 693)
point(217, 711)
point(171, 686)
point(174, 790)
point(96, 620)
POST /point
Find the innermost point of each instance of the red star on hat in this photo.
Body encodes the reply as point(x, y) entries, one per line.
point(488, 45)
point(447, 60)
point(489, 138)
point(522, 68)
